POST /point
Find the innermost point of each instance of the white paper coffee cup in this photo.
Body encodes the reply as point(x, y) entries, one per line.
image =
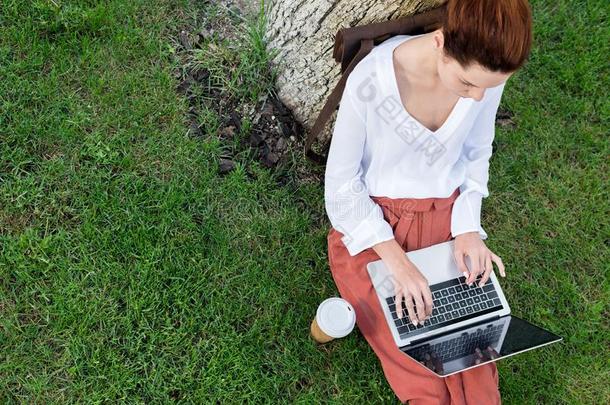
point(336, 317)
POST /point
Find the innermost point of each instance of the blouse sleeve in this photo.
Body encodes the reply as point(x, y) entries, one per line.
point(476, 151)
point(350, 209)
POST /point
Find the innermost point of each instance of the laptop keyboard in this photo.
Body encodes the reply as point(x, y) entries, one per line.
point(460, 346)
point(453, 301)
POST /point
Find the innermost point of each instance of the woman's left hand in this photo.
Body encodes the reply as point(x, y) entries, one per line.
point(470, 244)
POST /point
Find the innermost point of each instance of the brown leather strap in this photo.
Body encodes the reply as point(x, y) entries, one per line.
point(348, 38)
point(332, 102)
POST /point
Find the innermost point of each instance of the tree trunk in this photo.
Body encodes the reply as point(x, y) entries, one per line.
point(303, 32)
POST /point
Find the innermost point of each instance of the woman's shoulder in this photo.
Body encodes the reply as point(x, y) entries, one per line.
point(365, 70)
point(370, 68)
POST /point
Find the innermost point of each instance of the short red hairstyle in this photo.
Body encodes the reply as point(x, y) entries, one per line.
point(497, 34)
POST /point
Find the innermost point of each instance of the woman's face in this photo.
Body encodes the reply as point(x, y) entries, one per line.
point(469, 83)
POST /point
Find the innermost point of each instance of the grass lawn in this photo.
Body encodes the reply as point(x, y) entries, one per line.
point(131, 271)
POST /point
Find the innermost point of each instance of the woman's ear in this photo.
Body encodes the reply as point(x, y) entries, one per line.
point(438, 39)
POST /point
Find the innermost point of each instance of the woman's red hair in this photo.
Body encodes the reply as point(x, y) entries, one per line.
point(497, 34)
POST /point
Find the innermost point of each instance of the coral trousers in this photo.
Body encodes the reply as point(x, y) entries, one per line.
point(417, 223)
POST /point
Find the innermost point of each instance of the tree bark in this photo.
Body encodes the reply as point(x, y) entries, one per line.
point(303, 32)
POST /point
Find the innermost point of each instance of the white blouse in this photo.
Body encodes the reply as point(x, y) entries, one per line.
point(378, 149)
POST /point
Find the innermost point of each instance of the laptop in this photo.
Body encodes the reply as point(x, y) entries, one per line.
point(463, 319)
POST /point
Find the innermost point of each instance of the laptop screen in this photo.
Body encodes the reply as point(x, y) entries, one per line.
point(455, 351)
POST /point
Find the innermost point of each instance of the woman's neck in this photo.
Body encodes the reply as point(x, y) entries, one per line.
point(417, 60)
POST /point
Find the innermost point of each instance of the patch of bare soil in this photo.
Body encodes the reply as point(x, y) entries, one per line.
point(272, 135)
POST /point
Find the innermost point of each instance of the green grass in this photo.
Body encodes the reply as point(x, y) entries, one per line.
point(131, 271)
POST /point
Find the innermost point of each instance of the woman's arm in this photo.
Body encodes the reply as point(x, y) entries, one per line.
point(477, 149)
point(466, 213)
point(350, 209)
point(353, 213)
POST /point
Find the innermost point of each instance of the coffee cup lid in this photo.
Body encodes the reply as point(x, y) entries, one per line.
point(336, 317)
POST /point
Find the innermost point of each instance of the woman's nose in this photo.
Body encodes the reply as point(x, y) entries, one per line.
point(478, 94)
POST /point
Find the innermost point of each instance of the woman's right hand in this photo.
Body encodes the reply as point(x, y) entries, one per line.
point(409, 282)
point(412, 285)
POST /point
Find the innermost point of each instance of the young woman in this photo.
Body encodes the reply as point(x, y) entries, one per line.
point(408, 167)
